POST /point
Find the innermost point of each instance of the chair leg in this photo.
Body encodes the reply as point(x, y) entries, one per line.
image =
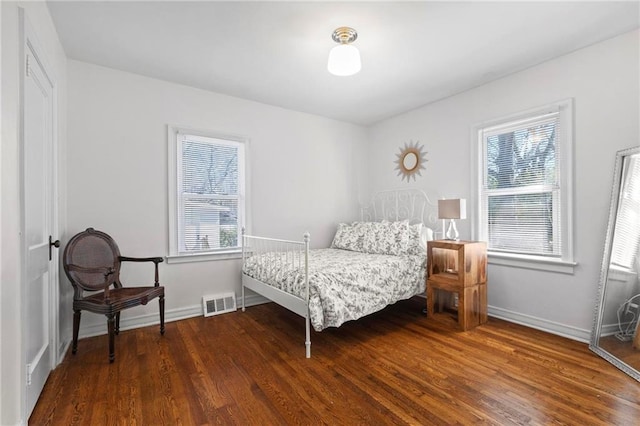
point(161, 303)
point(76, 329)
point(118, 323)
point(111, 320)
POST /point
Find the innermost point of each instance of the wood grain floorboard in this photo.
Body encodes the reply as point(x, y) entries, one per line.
point(393, 367)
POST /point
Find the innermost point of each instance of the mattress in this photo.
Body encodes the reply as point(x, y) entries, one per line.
point(344, 285)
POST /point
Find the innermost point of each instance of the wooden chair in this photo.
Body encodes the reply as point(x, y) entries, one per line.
point(92, 263)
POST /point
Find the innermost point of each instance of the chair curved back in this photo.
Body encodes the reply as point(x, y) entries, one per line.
point(87, 257)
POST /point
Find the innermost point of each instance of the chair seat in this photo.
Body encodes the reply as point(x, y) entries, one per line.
point(119, 299)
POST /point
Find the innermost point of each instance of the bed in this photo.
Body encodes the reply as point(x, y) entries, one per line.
point(371, 263)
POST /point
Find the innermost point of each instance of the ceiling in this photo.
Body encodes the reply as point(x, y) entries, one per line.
point(413, 53)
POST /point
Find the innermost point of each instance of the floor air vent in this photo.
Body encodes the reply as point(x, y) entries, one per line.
point(219, 304)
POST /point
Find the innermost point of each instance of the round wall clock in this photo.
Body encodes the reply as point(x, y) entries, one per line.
point(410, 161)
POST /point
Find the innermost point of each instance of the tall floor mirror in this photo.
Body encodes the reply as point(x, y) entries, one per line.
point(616, 330)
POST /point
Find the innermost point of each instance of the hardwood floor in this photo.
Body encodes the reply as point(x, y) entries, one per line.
point(622, 350)
point(393, 367)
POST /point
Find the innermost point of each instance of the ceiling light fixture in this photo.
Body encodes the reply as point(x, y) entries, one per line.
point(344, 59)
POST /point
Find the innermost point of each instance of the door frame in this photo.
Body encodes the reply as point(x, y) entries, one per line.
point(29, 42)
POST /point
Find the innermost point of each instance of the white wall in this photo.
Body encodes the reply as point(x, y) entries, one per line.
point(603, 79)
point(2, 369)
point(12, 370)
point(305, 172)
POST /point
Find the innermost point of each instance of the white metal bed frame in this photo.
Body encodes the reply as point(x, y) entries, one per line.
point(392, 205)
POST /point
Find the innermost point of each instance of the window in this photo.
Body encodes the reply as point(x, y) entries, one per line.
point(207, 194)
point(524, 188)
point(625, 241)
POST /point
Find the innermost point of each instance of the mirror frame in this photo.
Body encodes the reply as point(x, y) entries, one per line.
point(415, 149)
point(604, 270)
point(415, 159)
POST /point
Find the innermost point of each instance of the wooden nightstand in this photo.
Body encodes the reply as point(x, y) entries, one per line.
point(459, 267)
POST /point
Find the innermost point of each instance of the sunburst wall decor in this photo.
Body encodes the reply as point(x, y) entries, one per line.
point(410, 161)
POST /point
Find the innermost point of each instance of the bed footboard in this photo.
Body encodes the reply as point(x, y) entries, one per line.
point(262, 254)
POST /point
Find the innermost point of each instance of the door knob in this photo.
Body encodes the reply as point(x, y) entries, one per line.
point(52, 243)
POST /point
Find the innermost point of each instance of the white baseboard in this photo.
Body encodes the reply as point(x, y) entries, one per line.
point(611, 329)
point(153, 319)
point(552, 327)
point(62, 351)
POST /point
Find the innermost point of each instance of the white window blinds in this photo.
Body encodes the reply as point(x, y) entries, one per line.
point(626, 243)
point(521, 192)
point(210, 193)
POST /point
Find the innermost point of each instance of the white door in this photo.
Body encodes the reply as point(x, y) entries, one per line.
point(38, 189)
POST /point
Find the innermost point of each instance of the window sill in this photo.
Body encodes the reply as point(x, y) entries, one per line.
point(621, 274)
point(532, 262)
point(203, 257)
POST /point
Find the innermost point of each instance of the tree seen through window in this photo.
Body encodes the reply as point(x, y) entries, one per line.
point(520, 181)
point(210, 188)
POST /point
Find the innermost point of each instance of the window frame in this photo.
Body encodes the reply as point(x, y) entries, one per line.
point(565, 263)
point(174, 170)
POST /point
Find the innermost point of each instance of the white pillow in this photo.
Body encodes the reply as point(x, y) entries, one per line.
point(427, 235)
point(386, 237)
point(418, 237)
point(348, 237)
point(373, 237)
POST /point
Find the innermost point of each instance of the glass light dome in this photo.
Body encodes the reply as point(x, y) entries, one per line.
point(344, 59)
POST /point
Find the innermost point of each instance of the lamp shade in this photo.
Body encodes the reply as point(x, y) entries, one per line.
point(452, 209)
point(344, 60)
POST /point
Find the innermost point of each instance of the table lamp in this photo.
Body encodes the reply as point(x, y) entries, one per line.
point(452, 209)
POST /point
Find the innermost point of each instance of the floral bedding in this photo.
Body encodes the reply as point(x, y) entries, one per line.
point(343, 285)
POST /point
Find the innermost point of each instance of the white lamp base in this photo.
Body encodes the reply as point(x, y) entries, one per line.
point(452, 231)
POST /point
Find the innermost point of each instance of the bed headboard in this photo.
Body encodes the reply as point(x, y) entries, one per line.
point(402, 204)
